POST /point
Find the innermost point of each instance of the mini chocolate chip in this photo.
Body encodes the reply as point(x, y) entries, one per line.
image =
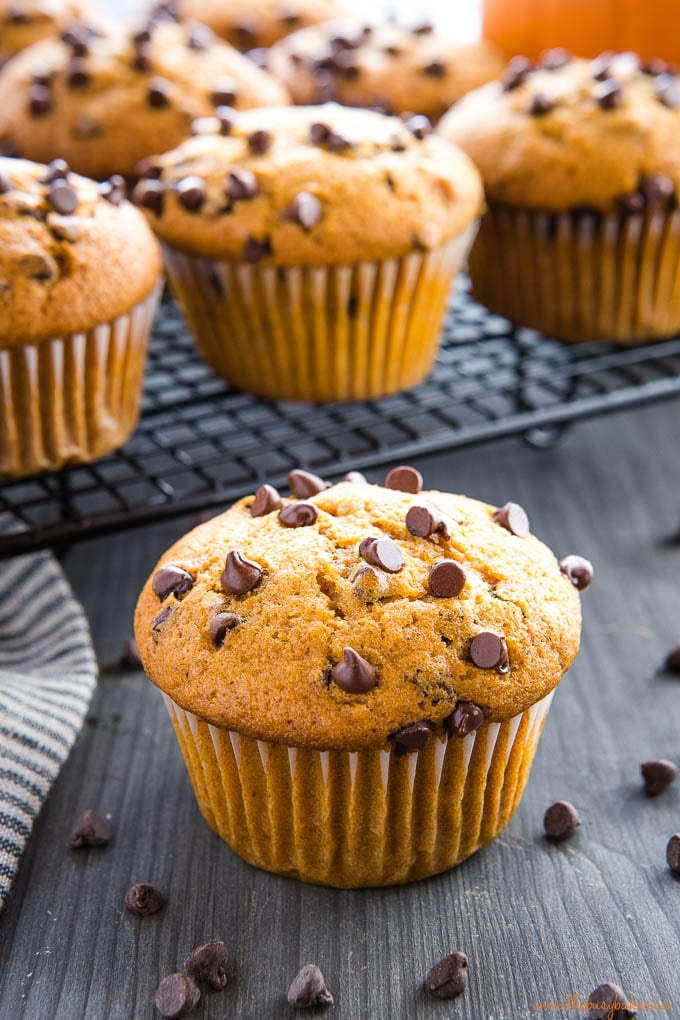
point(226, 119)
point(62, 198)
point(658, 775)
point(561, 820)
point(435, 69)
point(159, 622)
point(631, 202)
point(513, 518)
point(578, 570)
point(608, 95)
point(42, 77)
point(266, 500)
point(672, 661)
point(240, 575)
point(541, 104)
point(658, 190)
point(57, 170)
point(208, 964)
point(419, 126)
point(113, 190)
point(298, 515)
point(224, 93)
point(466, 718)
point(158, 93)
point(447, 579)
point(220, 625)
point(609, 1003)
point(318, 133)
point(516, 73)
point(245, 30)
point(353, 673)
point(448, 978)
point(144, 899)
point(142, 36)
point(149, 193)
point(241, 185)
point(290, 18)
point(600, 67)
point(304, 484)
point(141, 61)
point(259, 142)
point(338, 143)
point(404, 479)
point(305, 209)
point(309, 988)
point(423, 521)
point(176, 995)
point(171, 579)
point(16, 15)
point(355, 478)
point(369, 585)
point(90, 830)
point(673, 853)
point(77, 38)
point(667, 91)
point(77, 74)
point(555, 59)
point(254, 250)
point(39, 100)
point(423, 28)
point(392, 50)
point(414, 737)
point(191, 193)
point(5, 184)
point(200, 38)
point(147, 168)
point(383, 553)
point(129, 658)
point(490, 651)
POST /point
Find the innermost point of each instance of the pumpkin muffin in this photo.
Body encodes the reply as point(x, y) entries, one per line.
point(106, 101)
point(24, 22)
point(79, 279)
point(358, 675)
point(581, 165)
point(388, 67)
point(313, 248)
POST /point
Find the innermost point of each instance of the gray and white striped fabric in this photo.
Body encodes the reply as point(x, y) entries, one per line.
point(47, 674)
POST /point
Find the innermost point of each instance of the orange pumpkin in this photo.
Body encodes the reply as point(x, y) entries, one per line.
point(585, 27)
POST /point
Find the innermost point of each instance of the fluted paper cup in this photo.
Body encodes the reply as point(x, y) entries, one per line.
point(580, 275)
point(327, 333)
point(357, 819)
point(72, 399)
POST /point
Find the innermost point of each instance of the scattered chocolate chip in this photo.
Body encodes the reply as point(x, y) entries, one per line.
point(419, 126)
point(191, 193)
point(490, 651)
point(226, 119)
point(353, 673)
point(673, 853)
point(169, 579)
point(392, 50)
point(355, 477)
point(304, 484)
point(609, 1003)
point(159, 622)
point(39, 100)
point(16, 15)
point(608, 95)
point(541, 105)
point(513, 518)
point(5, 184)
point(241, 185)
point(369, 585)
point(601, 66)
point(200, 38)
point(298, 515)
point(290, 18)
point(90, 830)
point(113, 190)
point(305, 209)
point(42, 77)
point(466, 718)
point(142, 37)
point(77, 74)
point(57, 170)
point(62, 198)
point(423, 28)
point(208, 964)
point(147, 168)
point(447, 579)
point(220, 625)
point(657, 190)
point(404, 479)
point(77, 38)
point(414, 737)
point(672, 661)
point(448, 978)
point(224, 93)
point(254, 250)
point(658, 775)
point(555, 59)
point(266, 500)
point(423, 521)
point(383, 553)
point(578, 570)
point(144, 899)
point(176, 996)
point(141, 61)
point(309, 988)
point(516, 73)
point(259, 142)
point(435, 69)
point(667, 91)
point(246, 31)
point(318, 133)
point(631, 202)
point(561, 820)
point(338, 143)
point(129, 657)
point(149, 193)
point(158, 93)
point(240, 575)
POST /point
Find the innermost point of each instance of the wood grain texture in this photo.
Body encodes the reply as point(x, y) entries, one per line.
point(537, 921)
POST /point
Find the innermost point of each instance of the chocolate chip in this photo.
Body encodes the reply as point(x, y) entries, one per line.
point(226, 119)
point(319, 133)
point(435, 69)
point(608, 95)
point(246, 31)
point(208, 964)
point(355, 478)
point(466, 718)
point(8, 147)
point(200, 38)
point(220, 625)
point(383, 553)
point(142, 61)
point(338, 143)
point(673, 853)
point(658, 190)
point(176, 995)
point(513, 518)
point(658, 775)
point(541, 105)
point(608, 1002)
point(147, 168)
point(158, 93)
point(171, 579)
point(39, 100)
point(555, 59)
point(57, 170)
point(423, 28)
point(5, 184)
point(62, 198)
point(655, 66)
point(224, 93)
point(304, 484)
point(159, 621)
point(240, 575)
point(260, 56)
point(578, 570)
point(423, 521)
point(601, 66)
point(309, 988)
point(16, 15)
point(516, 73)
point(90, 830)
point(305, 209)
point(144, 899)
point(241, 185)
point(631, 202)
point(672, 661)
point(447, 579)
point(150, 194)
point(77, 38)
point(414, 737)
point(254, 250)
point(448, 978)
point(298, 515)
point(259, 142)
point(404, 479)
point(191, 193)
point(290, 18)
point(419, 126)
point(266, 500)
point(113, 190)
point(353, 673)
point(142, 37)
point(667, 91)
point(561, 820)
point(490, 651)
point(77, 74)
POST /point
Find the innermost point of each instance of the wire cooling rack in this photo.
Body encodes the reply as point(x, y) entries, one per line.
point(201, 444)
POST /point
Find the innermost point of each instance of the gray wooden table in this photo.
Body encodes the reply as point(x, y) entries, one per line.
point(538, 921)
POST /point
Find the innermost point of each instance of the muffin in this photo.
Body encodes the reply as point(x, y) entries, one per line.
point(581, 165)
point(358, 675)
point(105, 101)
point(28, 21)
point(79, 280)
point(313, 248)
point(387, 67)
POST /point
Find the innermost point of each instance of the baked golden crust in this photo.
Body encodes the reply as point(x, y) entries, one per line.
point(377, 192)
point(122, 100)
point(388, 66)
point(29, 21)
point(252, 23)
point(599, 131)
point(272, 677)
point(66, 271)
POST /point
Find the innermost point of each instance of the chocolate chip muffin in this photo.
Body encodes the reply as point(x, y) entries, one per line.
point(104, 101)
point(359, 674)
point(581, 165)
point(388, 67)
point(313, 248)
point(79, 272)
point(24, 22)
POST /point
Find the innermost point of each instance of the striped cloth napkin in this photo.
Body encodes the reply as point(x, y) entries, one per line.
point(47, 674)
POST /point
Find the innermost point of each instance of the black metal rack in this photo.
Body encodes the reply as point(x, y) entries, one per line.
point(201, 444)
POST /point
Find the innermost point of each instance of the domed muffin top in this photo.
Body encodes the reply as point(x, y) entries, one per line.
point(24, 22)
point(389, 67)
point(72, 253)
point(106, 101)
point(346, 615)
point(310, 186)
point(567, 133)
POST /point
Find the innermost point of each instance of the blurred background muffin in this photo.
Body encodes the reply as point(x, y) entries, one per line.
point(24, 22)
